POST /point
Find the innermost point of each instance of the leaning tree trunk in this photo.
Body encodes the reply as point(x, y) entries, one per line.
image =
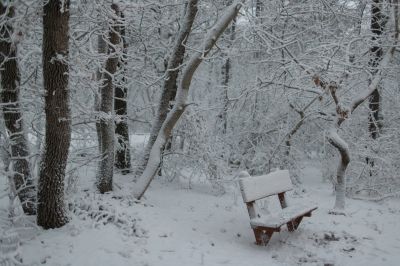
point(122, 156)
point(181, 97)
point(10, 94)
point(106, 165)
point(170, 83)
point(51, 209)
point(376, 53)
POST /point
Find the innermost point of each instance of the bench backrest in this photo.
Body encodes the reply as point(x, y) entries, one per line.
point(258, 187)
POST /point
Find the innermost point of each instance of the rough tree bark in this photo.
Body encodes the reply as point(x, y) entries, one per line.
point(51, 209)
point(376, 53)
point(170, 81)
point(106, 165)
point(102, 50)
point(10, 95)
point(122, 156)
point(181, 97)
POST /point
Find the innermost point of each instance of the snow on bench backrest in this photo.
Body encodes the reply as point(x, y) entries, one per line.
point(258, 187)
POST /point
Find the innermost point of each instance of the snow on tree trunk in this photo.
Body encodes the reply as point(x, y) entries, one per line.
point(101, 49)
point(340, 186)
point(106, 165)
point(6, 159)
point(51, 209)
point(122, 156)
point(342, 114)
point(170, 81)
point(10, 94)
point(180, 101)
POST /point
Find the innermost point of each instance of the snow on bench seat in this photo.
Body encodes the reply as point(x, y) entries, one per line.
point(285, 215)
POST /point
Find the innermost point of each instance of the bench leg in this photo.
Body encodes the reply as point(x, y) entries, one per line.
point(258, 234)
point(297, 222)
point(262, 236)
point(293, 225)
point(290, 226)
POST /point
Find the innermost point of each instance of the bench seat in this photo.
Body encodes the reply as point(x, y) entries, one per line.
point(284, 216)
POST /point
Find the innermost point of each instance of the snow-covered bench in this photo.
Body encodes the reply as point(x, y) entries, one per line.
point(259, 187)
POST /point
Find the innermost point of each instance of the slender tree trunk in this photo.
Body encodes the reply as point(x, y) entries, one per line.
point(181, 97)
point(259, 8)
point(376, 53)
point(226, 75)
point(101, 49)
point(170, 83)
point(340, 186)
point(122, 157)
point(51, 209)
point(107, 133)
point(340, 144)
point(10, 96)
point(223, 116)
point(288, 142)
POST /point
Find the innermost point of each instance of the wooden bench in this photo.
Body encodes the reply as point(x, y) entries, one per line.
point(259, 187)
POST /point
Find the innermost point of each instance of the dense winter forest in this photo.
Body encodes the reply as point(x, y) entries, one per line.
point(126, 126)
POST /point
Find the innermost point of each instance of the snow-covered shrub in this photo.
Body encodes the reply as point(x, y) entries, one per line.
point(102, 210)
point(10, 253)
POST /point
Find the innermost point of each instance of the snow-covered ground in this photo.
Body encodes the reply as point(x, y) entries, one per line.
point(177, 226)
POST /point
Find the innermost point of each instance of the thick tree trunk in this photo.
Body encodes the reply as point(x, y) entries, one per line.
point(106, 165)
point(181, 97)
point(10, 80)
point(170, 83)
point(122, 156)
point(51, 209)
